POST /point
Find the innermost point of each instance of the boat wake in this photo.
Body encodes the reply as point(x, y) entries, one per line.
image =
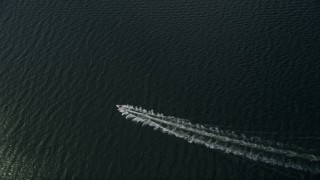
point(252, 148)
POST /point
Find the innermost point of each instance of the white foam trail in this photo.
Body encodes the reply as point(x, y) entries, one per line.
point(252, 148)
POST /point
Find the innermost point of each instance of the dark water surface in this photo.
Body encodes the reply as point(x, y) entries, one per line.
point(248, 66)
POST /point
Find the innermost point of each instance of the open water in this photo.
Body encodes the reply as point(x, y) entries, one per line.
point(252, 67)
